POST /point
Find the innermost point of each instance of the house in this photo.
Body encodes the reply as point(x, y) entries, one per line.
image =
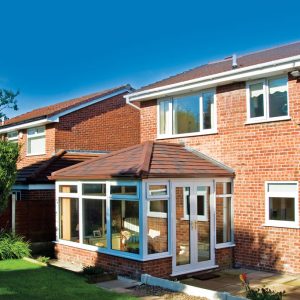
point(59, 136)
point(213, 184)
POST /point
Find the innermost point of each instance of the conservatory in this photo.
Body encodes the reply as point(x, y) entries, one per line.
point(144, 203)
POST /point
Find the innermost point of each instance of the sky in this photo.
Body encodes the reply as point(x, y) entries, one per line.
point(57, 50)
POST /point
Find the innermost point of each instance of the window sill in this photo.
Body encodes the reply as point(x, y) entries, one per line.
point(174, 136)
point(250, 122)
point(281, 226)
point(35, 154)
point(225, 245)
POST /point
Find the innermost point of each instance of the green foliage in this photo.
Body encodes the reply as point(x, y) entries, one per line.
point(9, 154)
point(43, 259)
point(92, 270)
point(263, 294)
point(13, 246)
point(7, 101)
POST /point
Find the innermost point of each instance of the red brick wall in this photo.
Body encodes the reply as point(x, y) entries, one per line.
point(257, 153)
point(35, 215)
point(107, 125)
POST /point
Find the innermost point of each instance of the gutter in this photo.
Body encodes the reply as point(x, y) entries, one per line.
point(274, 67)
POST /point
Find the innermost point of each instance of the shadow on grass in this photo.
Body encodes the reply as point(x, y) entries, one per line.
point(23, 280)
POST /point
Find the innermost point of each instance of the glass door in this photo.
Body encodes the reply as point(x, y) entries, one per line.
point(192, 227)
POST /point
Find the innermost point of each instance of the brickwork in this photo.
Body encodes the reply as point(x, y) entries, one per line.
point(258, 153)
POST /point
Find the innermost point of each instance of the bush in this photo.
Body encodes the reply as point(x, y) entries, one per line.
point(13, 246)
point(43, 259)
point(260, 293)
point(92, 270)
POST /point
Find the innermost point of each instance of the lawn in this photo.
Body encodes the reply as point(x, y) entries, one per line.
point(20, 279)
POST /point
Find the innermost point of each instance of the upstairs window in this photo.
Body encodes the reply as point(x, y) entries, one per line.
point(12, 136)
point(187, 114)
point(267, 99)
point(36, 141)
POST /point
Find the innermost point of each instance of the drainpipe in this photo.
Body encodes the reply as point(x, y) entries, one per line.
point(131, 104)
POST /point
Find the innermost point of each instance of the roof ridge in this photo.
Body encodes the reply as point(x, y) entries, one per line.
point(146, 158)
point(47, 163)
point(97, 158)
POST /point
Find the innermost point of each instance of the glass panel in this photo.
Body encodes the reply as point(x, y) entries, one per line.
point(158, 227)
point(203, 226)
point(125, 228)
point(12, 135)
point(256, 100)
point(278, 97)
point(282, 187)
point(159, 206)
point(158, 190)
point(123, 190)
point(186, 112)
point(228, 188)
point(163, 116)
point(93, 189)
point(223, 219)
point(282, 209)
point(208, 110)
point(69, 219)
point(223, 188)
point(68, 188)
point(94, 222)
point(36, 145)
point(201, 198)
point(183, 256)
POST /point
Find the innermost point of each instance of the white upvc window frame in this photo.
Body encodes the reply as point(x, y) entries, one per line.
point(13, 138)
point(224, 196)
point(277, 223)
point(35, 135)
point(265, 117)
point(170, 116)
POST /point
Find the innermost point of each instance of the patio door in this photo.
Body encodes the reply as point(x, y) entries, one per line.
point(193, 242)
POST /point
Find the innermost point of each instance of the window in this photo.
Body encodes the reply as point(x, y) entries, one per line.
point(94, 222)
point(12, 136)
point(125, 228)
point(157, 190)
point(224, 220)
point(69, 219)
point(69, 189)
point(268, 99)
point(157, 226)
point(186, 114)
point(91, 189)
point(123, 190)
point(36, 141)
point(282, 204)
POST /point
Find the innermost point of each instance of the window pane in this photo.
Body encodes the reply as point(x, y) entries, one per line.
point(94, 222)
point(223, 219)
point(186, 114)
point(256, 100)
point(125, 228)
point(223, 188)
point(163, 116)
point(158, 227)
point(208, 110)
point(282, 209)
point(123, 190)
point(158, 190)
point(13, 136)
point(36, 145)
point(68, 189)
point(201, 198)
point(282, 187)
point(278, 97)
point(69, 219)
point(93, 189)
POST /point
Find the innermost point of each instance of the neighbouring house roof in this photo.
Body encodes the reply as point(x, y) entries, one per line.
point(226, 64)
point(61, 107)
point(146, 160)
point(39, 172)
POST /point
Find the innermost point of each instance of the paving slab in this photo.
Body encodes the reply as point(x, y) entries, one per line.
point(120, 285)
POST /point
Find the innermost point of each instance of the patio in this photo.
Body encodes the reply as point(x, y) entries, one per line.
point(228, 281)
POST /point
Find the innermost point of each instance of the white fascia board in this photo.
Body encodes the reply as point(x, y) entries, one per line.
point(247, 73)
point(55, 118)
point(26, 125)
point(31, 187)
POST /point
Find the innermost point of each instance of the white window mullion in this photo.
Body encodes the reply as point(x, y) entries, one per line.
point(266, 100)
point(81, 212)
point(201, 112)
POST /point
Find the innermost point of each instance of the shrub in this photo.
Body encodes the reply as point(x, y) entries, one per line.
point(92, 270)
point(13, 246)
point(43, 259)
point(260, 293)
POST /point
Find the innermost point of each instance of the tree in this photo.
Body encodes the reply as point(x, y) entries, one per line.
point(9, 154)
point(7, 101)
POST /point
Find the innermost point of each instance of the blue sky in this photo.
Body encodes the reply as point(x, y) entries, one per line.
point(55, 50)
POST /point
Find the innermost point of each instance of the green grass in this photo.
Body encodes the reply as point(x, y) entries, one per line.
point(20, 279)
